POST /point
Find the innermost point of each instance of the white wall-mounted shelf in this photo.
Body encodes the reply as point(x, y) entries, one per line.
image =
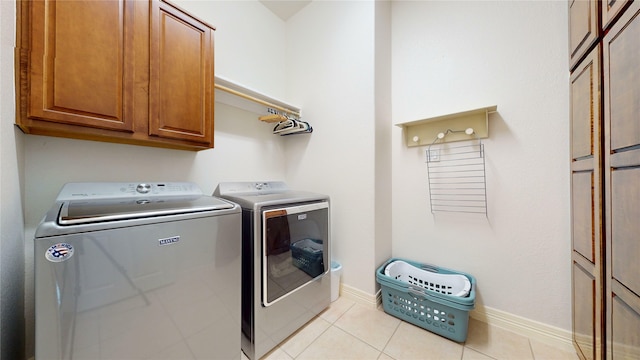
point(234, 94)
point(424, 132)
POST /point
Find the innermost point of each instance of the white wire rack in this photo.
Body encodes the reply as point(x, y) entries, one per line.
point(457, 181)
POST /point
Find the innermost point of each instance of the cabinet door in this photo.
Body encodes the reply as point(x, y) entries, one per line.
point(77, 73)
point(611, 9)
point(586, 304)
point(181, 76)
point(622, 183)
point(586, 205)
point(583, 28)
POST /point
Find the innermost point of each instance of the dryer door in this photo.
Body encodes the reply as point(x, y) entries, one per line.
point(295, 248)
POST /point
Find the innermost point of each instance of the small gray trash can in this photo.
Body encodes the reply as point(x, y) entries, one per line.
point(336, 272)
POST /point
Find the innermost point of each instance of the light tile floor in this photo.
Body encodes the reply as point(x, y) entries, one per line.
point(347, 330)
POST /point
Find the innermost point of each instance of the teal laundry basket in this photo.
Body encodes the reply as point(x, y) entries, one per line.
point(427, 306)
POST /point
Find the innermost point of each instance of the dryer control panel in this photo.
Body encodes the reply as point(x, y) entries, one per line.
point(251, 188)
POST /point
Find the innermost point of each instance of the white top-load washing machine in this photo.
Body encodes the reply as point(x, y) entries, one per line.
point(138, 271)
point(285, 260)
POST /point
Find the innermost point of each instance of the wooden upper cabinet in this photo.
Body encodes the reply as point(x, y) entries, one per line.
point(77, 71)
point(583, 28)
point(129, 71)
point(181, 85)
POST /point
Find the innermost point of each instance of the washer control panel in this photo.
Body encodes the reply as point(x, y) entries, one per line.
point(106, 190)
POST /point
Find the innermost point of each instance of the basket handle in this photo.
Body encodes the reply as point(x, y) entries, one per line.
point(430, 268)
point(417, 292)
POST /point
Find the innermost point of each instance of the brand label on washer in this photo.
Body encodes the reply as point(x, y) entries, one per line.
point(168, 241)
point(59, 252)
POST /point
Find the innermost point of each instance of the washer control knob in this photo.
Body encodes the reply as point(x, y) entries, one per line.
point(143, 188)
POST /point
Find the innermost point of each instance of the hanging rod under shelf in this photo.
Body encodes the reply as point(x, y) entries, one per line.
point(240, 96)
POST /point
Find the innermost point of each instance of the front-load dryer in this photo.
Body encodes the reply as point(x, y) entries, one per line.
point(285, 260)
point(138, 271)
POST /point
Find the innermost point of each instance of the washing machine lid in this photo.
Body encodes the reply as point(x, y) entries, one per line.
point(75, 212)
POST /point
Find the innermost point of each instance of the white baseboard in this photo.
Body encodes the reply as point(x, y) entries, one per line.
point(361, 297)
point(544, 333)
point(547, 334)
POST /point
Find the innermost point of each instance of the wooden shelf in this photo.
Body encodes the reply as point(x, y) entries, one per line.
point(424, 132)
point(234, 94)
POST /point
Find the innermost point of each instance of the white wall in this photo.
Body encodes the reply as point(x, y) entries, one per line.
point(11, 230)
point(455, 56)
point(330, 67)
point(249, 42)
point(244, 149)
point(383, 133)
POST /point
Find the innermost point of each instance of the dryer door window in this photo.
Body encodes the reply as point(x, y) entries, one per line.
point(295, 248)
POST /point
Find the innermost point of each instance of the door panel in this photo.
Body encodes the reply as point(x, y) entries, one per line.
point(625, 227)
point(621, 68)
point(585, 108)
point(78, 74)
point(582, 189)
point(586, 206)
point(583, 28)
point(586, 160)
point(181, 85)
point(624, 324)
point(611, 9)
point(622, 64)
point(584, 309)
